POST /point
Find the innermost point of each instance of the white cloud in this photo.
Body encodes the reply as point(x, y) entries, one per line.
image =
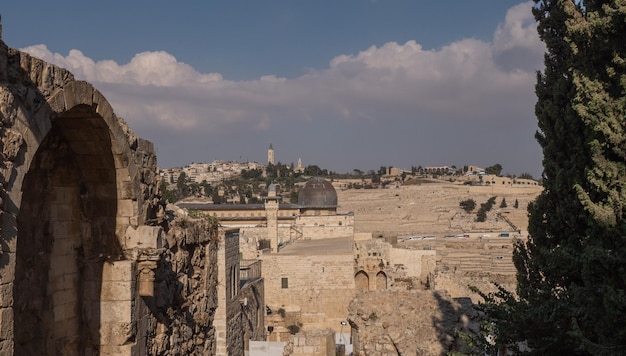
point(463, 84)
point(516, 44)
point(145, 68)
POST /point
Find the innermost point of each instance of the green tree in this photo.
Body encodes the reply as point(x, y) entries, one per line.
point(525, 175)
point(312, 170)
point(481, 214)
point(503, 203)
point(496, 169)
point(516, 204)
point(571, 292)
point(468, 205)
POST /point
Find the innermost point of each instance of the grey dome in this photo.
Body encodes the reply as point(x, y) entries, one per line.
point(317, 193)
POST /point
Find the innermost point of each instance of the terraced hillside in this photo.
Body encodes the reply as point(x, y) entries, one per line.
point(433, 209)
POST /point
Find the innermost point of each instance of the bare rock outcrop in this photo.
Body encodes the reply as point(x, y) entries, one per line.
point(408, 322)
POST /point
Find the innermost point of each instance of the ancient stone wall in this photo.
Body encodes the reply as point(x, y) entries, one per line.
point(178, 320)
point(408, 323)
point(380, 266)
point(311, 343)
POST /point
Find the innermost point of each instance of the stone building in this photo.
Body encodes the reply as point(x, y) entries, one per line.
point(91, 260)
point(378, 265)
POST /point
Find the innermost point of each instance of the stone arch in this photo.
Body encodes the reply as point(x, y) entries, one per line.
point(381, 280)
point(76, 188)
point(361, 280)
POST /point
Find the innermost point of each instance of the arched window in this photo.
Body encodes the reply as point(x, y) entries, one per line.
point(361, 280)
point(381, 281)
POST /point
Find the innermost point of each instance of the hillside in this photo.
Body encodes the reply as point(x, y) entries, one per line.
point(433, 209)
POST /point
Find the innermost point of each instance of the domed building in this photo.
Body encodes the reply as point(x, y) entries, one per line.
point(317, 197)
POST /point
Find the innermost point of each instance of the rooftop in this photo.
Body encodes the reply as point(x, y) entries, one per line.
point(334, 246)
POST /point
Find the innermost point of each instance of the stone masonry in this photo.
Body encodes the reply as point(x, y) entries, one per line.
point(92, 262)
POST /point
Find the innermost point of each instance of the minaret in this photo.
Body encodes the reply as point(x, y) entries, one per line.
point(270, 155)
point(271, 210)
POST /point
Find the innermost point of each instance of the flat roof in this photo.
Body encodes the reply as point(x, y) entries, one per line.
point(338, 245)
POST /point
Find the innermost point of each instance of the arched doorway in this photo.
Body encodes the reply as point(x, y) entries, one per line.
point(361, 281)
point(66, 231)
point(381, 281)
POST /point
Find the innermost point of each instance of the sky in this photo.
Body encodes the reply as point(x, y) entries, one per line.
point(342, 84)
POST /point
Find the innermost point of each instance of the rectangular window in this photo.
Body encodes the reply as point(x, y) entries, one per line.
point(284, 282)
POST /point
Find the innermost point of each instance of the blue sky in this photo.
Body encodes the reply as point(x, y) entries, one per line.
point(341, 84)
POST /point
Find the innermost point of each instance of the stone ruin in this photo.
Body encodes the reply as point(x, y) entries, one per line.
point(416, 322)
point(91, 261)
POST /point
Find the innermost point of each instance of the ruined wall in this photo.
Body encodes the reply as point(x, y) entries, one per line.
point(178, 320)
point(408, 323)
point(415, 265)
point(380, 266)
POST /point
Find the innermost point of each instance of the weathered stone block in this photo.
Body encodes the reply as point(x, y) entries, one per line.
point(78, 92)
point(43, 122)
point(117, 291)
point(116, 311)
point(127, 207)
point(144, 237)
point(57, 102)
point(7, 267)
point(115, 350)
point(6, 347)
point(103, 108)
point(6, 323)
point(119, 271)
point(6, 295)
point(115, 334)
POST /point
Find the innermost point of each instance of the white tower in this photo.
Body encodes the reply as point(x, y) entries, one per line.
point(270, 155)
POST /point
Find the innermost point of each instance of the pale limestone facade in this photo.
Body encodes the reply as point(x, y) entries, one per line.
point(313, 289)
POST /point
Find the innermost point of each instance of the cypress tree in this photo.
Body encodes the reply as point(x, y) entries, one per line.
point(571, 272)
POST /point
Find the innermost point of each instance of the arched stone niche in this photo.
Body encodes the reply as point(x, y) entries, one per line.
point(74, 179)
